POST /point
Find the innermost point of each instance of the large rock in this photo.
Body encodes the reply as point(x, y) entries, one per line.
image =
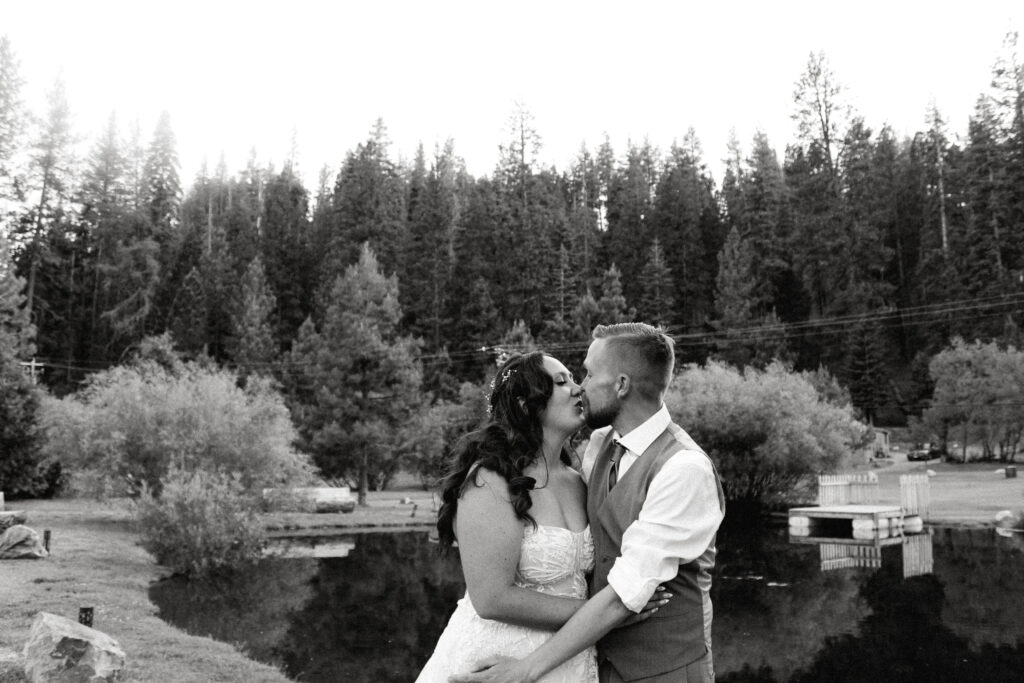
point(60, 650)
point(11, 517)
point(20, 542)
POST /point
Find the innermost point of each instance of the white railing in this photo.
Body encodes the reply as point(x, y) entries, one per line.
point(915, 494)
point(844, 489)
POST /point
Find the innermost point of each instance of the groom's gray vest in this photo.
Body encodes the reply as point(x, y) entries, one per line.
point(674, 637)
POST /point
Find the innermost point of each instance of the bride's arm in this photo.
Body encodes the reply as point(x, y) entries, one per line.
point(490, 537)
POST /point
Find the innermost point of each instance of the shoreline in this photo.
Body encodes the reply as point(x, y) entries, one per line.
point(96, 561)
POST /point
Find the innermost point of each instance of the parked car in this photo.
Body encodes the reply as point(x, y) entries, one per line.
point(926, 451)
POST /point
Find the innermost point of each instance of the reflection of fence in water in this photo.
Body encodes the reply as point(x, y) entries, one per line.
point(917, 555)
point(836, 556)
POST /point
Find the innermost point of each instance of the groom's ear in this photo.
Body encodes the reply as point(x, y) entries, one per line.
point(622, 386)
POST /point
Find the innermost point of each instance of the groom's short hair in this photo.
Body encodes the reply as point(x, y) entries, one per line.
point(647, 353)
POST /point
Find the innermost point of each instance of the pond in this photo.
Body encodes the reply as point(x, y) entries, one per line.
point(947, 605)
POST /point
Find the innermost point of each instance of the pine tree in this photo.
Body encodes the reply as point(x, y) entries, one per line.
point(630, 213)
point(253, 347)
point(161, 186)
point(50, 168)
point(426, 276)
point(587, 315)
point(190, 315)
point(12, 120)
point(19, 398)
point(559, 328)
point(687, 224)
point(16, 329)
point(293, 270)
point(657, 302)
point(356, 379)
point(735, 285)
point(612, 304)
point(865, 370)
point(368, 206)
point(518, 339)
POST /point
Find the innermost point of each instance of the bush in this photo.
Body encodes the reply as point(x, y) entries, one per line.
point(133, 424)
point(203, 522)
point(436, 428)
point(768, 431)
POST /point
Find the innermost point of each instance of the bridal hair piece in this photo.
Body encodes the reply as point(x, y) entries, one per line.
point(505, 377)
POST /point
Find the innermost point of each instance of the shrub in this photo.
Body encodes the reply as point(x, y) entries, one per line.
point(133, 424)
point(767, 431)
point(203, 522)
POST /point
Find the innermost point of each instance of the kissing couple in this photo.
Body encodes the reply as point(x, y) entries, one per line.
point(600, 573)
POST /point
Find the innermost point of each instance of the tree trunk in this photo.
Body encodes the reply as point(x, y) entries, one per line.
point(364, 478)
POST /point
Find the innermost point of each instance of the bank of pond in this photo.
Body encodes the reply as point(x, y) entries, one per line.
point(943, 605)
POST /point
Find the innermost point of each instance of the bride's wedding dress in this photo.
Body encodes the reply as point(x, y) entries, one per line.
point(552, 560)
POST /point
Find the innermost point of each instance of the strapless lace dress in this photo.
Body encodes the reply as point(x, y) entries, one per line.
point(552, 560)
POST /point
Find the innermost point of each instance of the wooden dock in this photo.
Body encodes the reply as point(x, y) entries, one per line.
point(852, 521)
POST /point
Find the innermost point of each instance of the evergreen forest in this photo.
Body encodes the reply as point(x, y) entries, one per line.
point(855, 249)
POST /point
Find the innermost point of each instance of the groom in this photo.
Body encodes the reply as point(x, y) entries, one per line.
point(655, 503)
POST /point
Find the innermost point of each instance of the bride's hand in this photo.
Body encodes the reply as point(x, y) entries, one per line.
point(658, 599)
point(493, 668)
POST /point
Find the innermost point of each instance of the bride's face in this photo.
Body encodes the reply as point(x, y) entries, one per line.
point(564, 411)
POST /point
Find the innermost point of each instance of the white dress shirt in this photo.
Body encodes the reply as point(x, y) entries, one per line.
point(679, 517)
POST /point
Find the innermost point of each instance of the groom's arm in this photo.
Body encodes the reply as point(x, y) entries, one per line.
point(601, 614)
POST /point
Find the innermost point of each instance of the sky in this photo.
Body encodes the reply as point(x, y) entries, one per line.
point(237, 76)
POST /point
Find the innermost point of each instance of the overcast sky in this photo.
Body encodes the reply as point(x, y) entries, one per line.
point(239, 75)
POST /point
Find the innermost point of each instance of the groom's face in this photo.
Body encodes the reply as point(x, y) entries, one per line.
point(601, 402)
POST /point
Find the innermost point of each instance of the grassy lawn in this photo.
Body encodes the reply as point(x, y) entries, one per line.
point(96, 562)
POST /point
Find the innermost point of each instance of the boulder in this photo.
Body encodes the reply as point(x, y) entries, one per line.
point(60, 650)
point(20, 542)
point(12, 517)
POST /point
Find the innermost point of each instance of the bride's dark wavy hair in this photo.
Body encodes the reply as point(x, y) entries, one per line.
point(507, 443)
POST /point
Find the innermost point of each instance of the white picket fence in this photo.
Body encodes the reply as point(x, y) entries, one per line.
point(915, 494)
point(847, 489)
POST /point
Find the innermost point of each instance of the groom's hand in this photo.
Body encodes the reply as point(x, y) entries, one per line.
point(660, 598)
point(495, 669)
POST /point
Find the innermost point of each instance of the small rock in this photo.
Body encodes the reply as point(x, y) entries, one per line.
point(59, 649)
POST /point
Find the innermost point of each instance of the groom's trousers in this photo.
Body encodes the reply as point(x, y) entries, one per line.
point(700, 671)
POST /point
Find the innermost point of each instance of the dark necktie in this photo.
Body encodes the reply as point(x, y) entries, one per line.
point(613, 473)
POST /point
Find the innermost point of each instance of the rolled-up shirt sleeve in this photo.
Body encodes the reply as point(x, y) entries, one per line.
point(677, 523)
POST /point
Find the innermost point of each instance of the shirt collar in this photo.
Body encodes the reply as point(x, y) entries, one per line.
point(640, 439)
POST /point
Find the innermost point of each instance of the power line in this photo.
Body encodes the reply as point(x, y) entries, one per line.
point(948, 311)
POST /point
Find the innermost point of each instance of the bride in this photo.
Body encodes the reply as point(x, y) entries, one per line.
point(518, 511)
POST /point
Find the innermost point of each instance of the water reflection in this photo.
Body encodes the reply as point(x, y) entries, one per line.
point(311, 546)
point(865, 551)
point(780, 613)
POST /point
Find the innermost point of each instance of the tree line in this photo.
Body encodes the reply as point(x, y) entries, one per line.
point(858, 250)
